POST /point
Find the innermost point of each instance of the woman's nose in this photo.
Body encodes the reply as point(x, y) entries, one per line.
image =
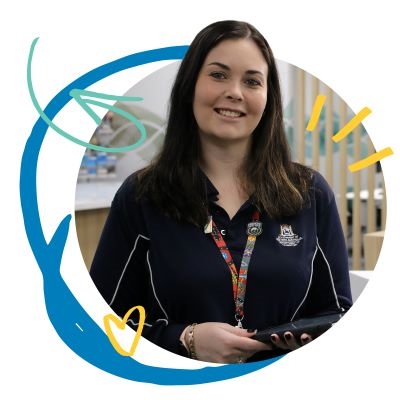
point(233, 91)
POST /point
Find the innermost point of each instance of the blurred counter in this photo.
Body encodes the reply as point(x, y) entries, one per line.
point(95, 194)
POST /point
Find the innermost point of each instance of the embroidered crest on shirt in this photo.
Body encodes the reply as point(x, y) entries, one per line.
point(287, 237)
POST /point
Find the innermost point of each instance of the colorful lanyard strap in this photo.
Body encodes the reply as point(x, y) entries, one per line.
point(239, 280)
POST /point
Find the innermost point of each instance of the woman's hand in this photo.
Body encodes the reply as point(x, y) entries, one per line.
point(223, 343)
point(289, 342)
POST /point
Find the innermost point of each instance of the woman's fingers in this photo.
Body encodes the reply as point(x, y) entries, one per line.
point(289, 341)
point(218, 342)
point(305, 338)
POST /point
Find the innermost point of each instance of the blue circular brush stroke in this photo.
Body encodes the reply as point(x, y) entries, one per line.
point(71, 322)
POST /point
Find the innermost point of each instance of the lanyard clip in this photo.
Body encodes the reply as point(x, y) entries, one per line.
point(239, 321)
point(208, 225)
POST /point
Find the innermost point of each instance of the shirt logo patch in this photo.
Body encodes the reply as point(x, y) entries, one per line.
point(287, 237)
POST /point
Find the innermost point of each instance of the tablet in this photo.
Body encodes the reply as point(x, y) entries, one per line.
point(313, 326)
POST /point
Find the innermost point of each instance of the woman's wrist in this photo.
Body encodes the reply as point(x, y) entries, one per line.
point(182, 339)
point(187, 340)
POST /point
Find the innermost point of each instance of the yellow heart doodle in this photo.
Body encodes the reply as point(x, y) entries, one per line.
point(121, 325)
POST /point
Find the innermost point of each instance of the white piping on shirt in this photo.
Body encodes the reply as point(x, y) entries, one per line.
point(330, 275)
point(151, 279)
point(309, 284)
point(311, 275)
point(156, 297)
point(154, 291)
point(126, 265)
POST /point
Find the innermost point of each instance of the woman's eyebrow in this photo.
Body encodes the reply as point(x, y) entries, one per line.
point(219, 64)
point(226, 68)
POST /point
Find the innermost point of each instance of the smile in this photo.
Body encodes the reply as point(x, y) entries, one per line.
point(229, 113)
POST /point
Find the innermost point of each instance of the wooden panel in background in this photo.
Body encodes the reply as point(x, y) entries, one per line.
point(89, 225)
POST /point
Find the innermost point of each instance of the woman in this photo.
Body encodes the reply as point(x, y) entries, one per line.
point(223, 195)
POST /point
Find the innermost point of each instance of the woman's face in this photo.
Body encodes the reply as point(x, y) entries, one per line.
point(231, 91)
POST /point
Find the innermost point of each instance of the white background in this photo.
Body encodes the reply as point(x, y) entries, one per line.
point(352, 46)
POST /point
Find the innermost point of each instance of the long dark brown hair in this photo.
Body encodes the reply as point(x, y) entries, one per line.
point(174, 183)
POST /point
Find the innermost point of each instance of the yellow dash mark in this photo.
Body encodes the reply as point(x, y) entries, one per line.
point(316, 112)
point(121, 325)
point(372, 159)
point(356, 120)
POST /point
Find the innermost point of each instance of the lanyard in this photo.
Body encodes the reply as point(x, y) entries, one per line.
point(239, 280)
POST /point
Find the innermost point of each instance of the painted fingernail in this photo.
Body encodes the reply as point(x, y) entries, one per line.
point(251, 330)
point(273, 338)
point(288, 336)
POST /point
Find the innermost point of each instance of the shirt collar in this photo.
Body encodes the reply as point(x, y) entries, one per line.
point(211, 191)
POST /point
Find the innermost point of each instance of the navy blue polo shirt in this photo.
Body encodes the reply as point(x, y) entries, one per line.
point(299, 266)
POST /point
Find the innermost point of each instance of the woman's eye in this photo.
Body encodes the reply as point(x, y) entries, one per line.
point(217, 75)
point(253, 82)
